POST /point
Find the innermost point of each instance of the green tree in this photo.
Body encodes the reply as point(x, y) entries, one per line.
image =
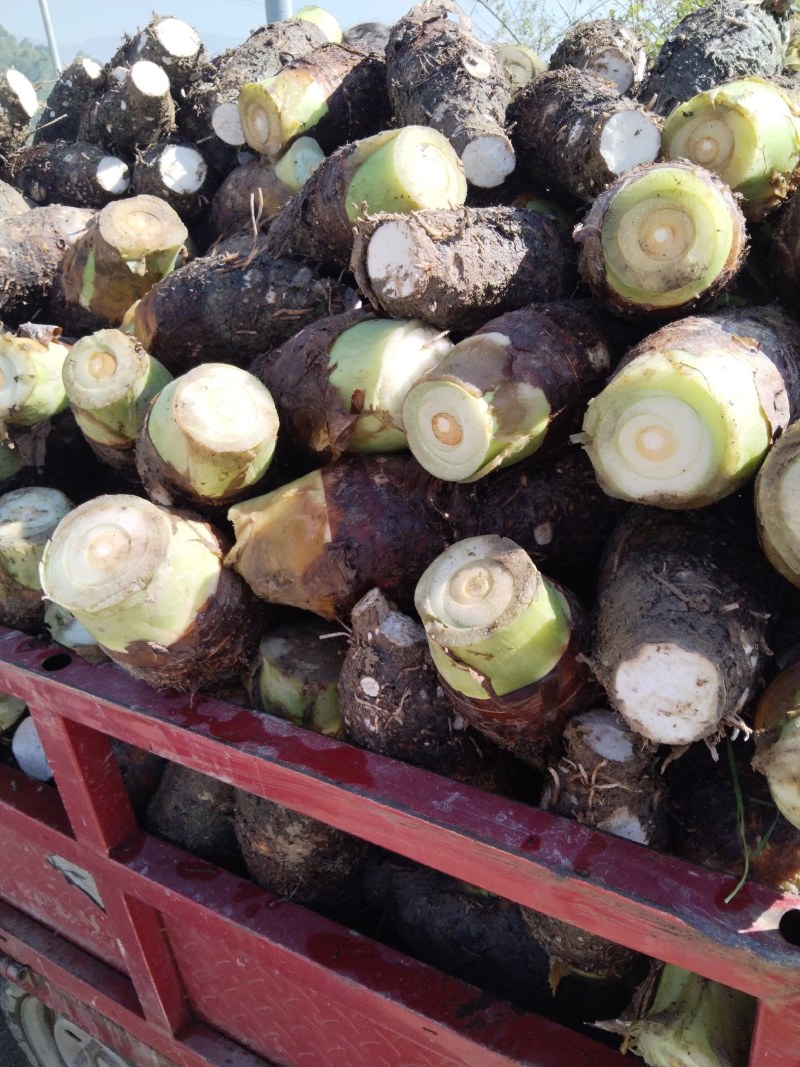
point(32, 59)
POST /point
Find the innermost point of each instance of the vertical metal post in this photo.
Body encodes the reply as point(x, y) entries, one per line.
point(51, 37)
point(278, 9)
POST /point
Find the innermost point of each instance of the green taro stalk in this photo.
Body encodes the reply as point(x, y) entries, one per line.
point(208, 436)
point(149, 585)
point(31, 385)
point(110, 380)
point(494, 624)
point(694, 1022)
point(748, 133)
point(299, 669)
point(661, 239)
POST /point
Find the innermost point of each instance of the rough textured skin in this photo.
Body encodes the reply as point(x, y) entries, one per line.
point(72, 93)
point(392, 702)
point(21, 608)
point(181, 70)
point(591, 260)
point(557, 122)
point(147, 178)
point(59, 172)
point(575, 951)
point(32, 246)
point(141, 772)
point(251, 192)
point(702, 806)
point(314, 225)
point(378, 532)
point(478, 262)
point(783, 252)
point(195, 811)
point(555, 510)
point(297, 375)
point(232, 305)
point(443, 76)
point(586, 44)
point(300, 857)
point(215, 651)
point(355, 89)
point(767, 334)
point(12, 202)
point(15, 123)
point(695, 579)
point(475, 936)
point(557, 348)
point(530, 721)
point(123, 119)
point(723, 40)
point(262, 55)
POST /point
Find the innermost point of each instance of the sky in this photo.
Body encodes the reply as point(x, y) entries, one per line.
point(95, 27)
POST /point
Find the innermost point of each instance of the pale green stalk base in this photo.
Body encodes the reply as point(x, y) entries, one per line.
point(383, 358)
point(779, 766)
point(130, 571)
point(677, 430)
point(216, 426)
point(694, 1022)
point(520, 63)
point(31, 386)
point(405, 170)
point(10, 461)
point(276, 110)
point(459, 433)
point(666, 237)
point(747, 132)
point(298, 163)
point(485, 602)
point(110, 381)
point(303, 691)
point(777, 501)
point(11, 711)
point(322, 18)
point(28, 517)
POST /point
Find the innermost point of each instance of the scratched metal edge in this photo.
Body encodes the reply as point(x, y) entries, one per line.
point(649, 885)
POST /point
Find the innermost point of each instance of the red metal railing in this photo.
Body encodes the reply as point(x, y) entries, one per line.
point(203, 948)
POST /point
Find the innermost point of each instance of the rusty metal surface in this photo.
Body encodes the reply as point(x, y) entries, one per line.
point(663, 907)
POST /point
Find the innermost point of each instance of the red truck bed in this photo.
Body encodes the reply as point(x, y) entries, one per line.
point(162, 955)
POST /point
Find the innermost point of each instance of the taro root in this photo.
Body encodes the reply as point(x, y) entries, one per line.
point(208, 438)
point(32, 245)
point(748, 133)
point(718, 42)
point(606, 46)
point(457, 269)
point(195, 811)
point(73, 91)
point(691, 411)
point(149, 585)
point(135, 110)
point(441, 75)
point(515, 387)
point(231, 305)
point(607, 778)
point(322, 541)
point(110, 380)
point(399, 170)
point(662, 240)
point(574, 133)
point(682, 613)
point(28, 518)
point(73, 173)
point(18, 105)
point(337, 94)
point(509, 644)
point(339, 384)
point(776, 505)
point(129, 246)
